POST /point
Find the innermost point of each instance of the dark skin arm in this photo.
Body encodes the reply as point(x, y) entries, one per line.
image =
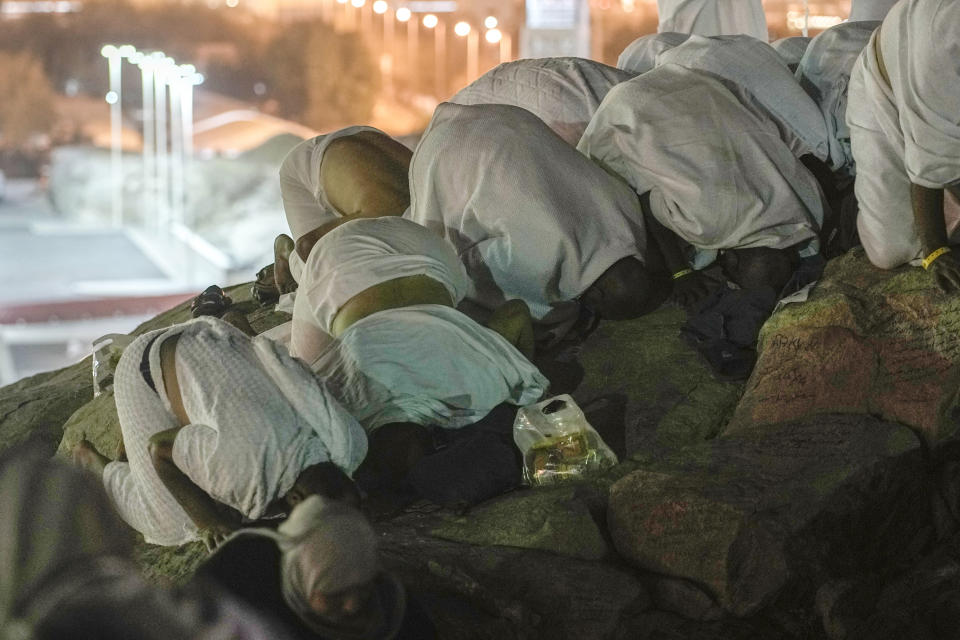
point(932, 229)
point(214, 520)
point(512, 321)
point(686, 289)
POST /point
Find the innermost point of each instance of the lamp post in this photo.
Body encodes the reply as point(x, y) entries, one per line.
point(506, 53)
point(148, 201)
point(473, 48)
point(113, 98)
point(162, 67)
point(403, 15)
point(431, 21)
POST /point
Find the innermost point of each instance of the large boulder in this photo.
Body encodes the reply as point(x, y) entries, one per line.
point(744, 516)
point(867, 341)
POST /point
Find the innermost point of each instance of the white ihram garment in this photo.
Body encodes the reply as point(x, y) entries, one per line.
point(641, 55)
point(824, 73)
point(791, 49)
point(870, 9)
point(529, 216)
point(713, 17)
point(907, 131)
point(361, 254)
point(563, 92)
point(718, 174)
point(757, 75)
point(305, 202)
point(257, 419)
point(427, 364)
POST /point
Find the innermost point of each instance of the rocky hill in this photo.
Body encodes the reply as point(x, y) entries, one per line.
point(820, 499)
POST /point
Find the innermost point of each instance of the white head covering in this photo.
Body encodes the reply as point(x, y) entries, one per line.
point(791, 49)
point(563, 92)
point(328, 546)
point(366, 252)
point(757, 75)
point(870, 9)
point(824, 73)
point(713, 17)
point(529, 216)
point(641, 55)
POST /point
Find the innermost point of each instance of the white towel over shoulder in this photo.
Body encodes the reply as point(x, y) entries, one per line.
point(563, 92)
point(719, 175)
point(369, 251)
point(530, 217)
point(426, 364)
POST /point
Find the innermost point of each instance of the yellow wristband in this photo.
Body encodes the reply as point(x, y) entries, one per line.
point(930, 259)
point(685, 272)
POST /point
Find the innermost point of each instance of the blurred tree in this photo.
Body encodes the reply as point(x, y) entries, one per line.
point(27, 107)
point(322, 77)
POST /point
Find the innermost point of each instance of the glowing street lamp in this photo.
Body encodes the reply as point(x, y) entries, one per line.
point(403, 14)
point(380, 7)
point(493, 36)
point(473, 48)
point(490, 22)
point(431, 21)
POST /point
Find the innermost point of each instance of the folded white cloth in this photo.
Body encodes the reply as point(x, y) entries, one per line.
point(563, 92)
point(907, 131)
point(791, 49)
point(257, 419)
point(529, 216)
point(824, 73)
point(758, 76)
point(304, 200)
point(366, 252)
point(718, 174)
point(641, 55)
point(713, 17)
point(870, 9)
point(426, 364)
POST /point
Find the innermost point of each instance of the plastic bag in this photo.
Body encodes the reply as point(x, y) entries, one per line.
point(558, 443)
point(106, 354)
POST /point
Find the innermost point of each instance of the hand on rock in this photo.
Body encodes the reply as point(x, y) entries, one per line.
point(946, 272)
point(689, 289)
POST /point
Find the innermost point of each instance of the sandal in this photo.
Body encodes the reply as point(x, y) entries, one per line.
point(212, 302)
point(264, 290)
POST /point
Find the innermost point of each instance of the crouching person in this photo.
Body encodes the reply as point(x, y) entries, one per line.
point(319, 576)
point(219, 428)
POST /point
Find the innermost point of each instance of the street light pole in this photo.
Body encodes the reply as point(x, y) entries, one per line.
point(113, 98)
point(473, 55)
point(161, 69)
point(148, 202)
point(440, 59)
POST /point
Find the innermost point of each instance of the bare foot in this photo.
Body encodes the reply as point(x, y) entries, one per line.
point(283, 246)
point(84, 455)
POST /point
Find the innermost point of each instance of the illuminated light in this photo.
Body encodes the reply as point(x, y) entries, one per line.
point(232, 3)
point(111, 97)
point(127, 51)
point(403, 14)
point(430, 21)
point(628, 5)
point(493, 36)
point(108, 51)
point(490, 22)
point(197, 78)
point(158, 56)
point(358, 3)
point(380, 7)
point(342, 1)
point(136, 58)
point(461, 28)
point(187, 69)
point(795, 20)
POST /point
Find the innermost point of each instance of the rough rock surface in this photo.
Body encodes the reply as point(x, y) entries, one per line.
point(808, 510)
point(868, 341)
